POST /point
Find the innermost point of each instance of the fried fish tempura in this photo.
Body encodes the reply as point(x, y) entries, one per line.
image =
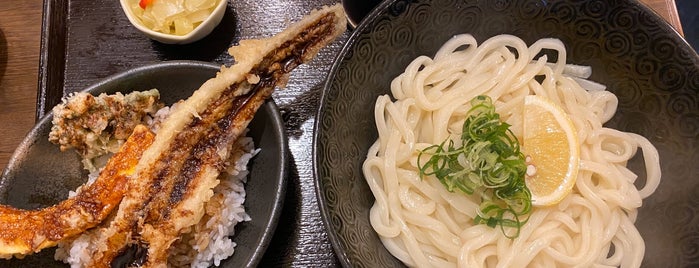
point(25, 232)
point(178, 171)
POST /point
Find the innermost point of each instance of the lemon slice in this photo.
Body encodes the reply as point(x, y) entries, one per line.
point(551, 146)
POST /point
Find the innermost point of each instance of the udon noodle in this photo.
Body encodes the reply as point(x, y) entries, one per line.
point(422, 224)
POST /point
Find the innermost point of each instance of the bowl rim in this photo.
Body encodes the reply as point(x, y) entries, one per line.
point(216, 14)
point(321, 198)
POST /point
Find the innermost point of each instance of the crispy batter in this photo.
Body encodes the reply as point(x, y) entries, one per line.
point(95, 126)
point(28, 231)
point(178, 172)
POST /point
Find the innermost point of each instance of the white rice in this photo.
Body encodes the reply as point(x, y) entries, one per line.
point(207, 243)
point(75, 252)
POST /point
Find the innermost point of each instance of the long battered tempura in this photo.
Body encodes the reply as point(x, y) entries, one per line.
point(25, 232)
point(176, 174)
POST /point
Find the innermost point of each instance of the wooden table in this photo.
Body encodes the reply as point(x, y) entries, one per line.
point(20, 35)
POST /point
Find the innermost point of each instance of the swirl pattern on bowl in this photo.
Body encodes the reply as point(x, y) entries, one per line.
point(640, 58)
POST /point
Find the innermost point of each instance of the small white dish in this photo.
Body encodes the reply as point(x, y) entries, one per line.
point(197, 33)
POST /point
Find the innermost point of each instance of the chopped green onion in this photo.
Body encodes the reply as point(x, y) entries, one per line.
point(489, 163)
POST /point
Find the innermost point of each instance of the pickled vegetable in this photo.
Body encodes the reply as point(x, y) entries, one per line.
point(178, 17)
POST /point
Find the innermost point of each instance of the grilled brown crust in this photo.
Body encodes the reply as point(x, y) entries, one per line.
point(273, 70)
point(177, 174)
point(197, 177)
point(27, 231)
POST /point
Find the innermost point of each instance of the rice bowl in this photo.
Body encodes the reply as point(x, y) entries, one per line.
point(36, 159)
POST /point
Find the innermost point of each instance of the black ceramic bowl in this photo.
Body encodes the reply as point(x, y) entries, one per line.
point(39, 175)
point(651, 69)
